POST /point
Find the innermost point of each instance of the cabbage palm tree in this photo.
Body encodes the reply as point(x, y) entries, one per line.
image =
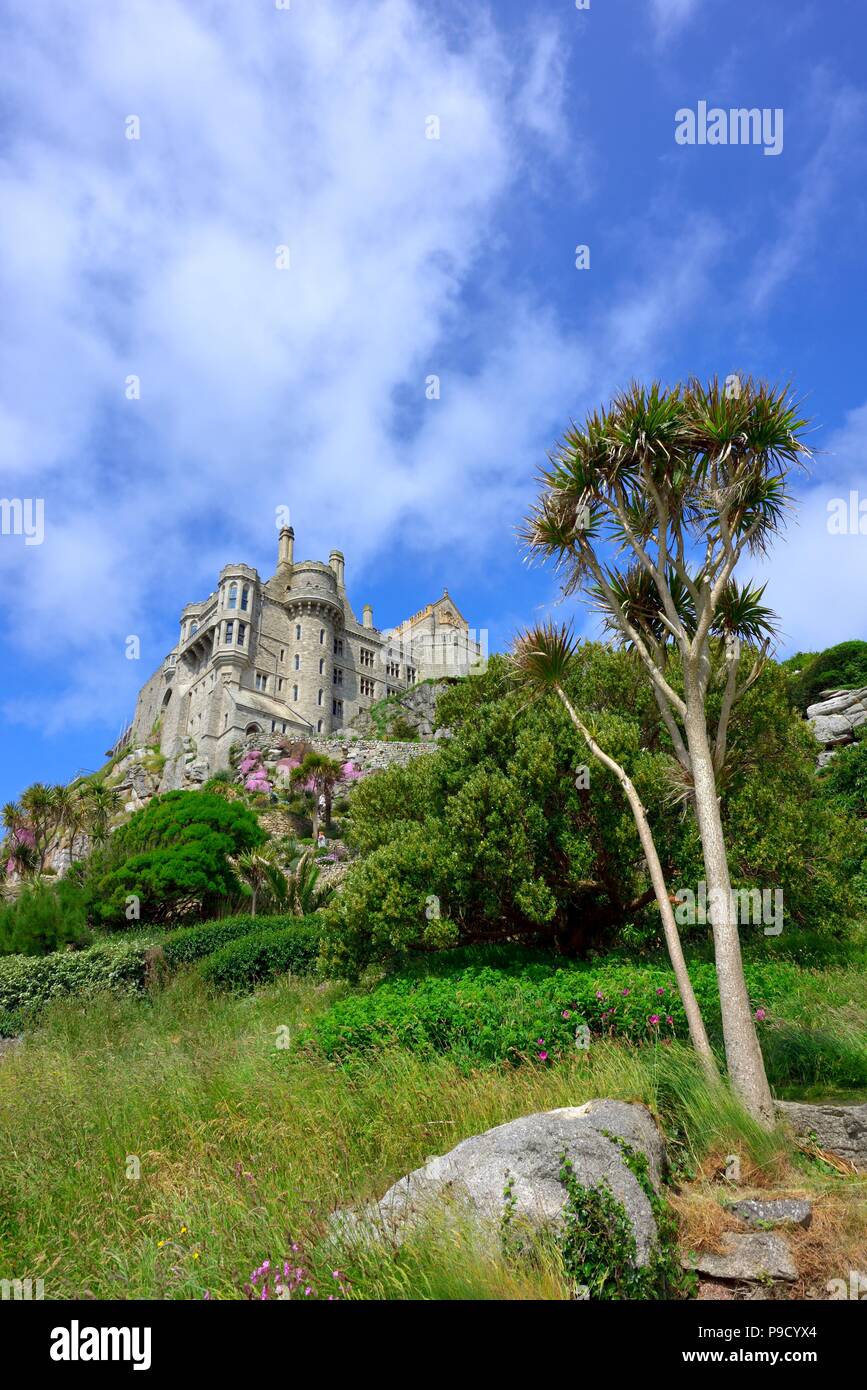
point(261, 871)
point(683, 484)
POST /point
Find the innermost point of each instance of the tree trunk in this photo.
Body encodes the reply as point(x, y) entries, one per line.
point(695, 1022)
point(746, 1065)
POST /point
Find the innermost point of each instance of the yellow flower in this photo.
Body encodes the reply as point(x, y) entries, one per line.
point(160, 1244)
point(196, 1255)
point(183, 1230)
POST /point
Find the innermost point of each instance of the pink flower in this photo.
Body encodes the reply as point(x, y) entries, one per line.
point(543, 1056)
point(599, 994)
point(624, 992)
point(660, 990)
point(654, 1019)
point(669, 1019)
point(760, 1014)
point(567, 1013)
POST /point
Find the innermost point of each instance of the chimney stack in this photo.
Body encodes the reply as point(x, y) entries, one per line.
point(286, 546)
point(367, 616)
point(338, 564)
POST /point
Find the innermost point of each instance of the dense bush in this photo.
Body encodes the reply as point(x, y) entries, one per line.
point(493, 837)
point(503, 1008)
point(27, 983)
point(256, 958)
point(193, 943)
point(44, 917)
point(171, 856)
point(843, 667)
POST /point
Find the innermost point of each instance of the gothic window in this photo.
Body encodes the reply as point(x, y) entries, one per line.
point(294, 692)
point(242, 632)
point(321, 665)
point(338, 646)
point(337, 676)
point(319, 701)
point(230, 632)
point(245, 598)
point(319, 726)
point(297, 632)
point(233, 596)
point(337, 707)
point(322, 637)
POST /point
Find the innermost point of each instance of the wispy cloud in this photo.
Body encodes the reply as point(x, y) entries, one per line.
point(670, 16)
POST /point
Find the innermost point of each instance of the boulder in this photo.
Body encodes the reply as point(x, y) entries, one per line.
point(841, 1129)
point(746, 1259)
point(837, 715)
point(527, 1153)
point(782, 1211)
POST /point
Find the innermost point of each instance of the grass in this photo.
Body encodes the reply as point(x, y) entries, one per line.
point(245, 1146)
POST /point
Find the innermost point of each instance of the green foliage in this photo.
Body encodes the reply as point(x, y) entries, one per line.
point(843, 667)
point(598, 1245)
point(493, 837)
point(11, 1023)
point(487, 1007)
point(44, 918)
point(189, 944)
point(28, 983)
point(175, 852)
point(241, 965)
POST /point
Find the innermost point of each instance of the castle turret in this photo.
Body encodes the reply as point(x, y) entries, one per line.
point(317, 644)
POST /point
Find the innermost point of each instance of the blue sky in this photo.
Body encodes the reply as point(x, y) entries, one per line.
point(304, 388)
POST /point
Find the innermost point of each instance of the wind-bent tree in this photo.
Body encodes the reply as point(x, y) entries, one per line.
point(542, 659)
point(683, 483)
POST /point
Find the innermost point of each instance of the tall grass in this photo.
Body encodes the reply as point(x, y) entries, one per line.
point(245, 1146)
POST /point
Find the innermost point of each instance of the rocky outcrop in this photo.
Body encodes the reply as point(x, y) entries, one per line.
point(780, 1211)
point(835, 717)
point(526, 1155)
point(751, 1258)
point(839, 1129)
point(415, 708)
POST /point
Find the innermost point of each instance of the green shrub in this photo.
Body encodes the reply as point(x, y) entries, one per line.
point(28, 983)
point(843, 667)
point(193, 943)
point(254, 959)
point(43, 918)
point(173, 854)
point(538, 1010)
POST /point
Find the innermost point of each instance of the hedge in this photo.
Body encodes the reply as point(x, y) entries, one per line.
point(253, 959)
point(536, 1010)
point(30, 982)
point(190, 944)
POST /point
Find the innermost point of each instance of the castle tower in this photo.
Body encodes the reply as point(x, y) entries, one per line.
point(316, 644)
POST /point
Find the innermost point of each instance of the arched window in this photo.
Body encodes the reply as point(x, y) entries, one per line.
point(253, 729)
point(319, 725)
point(297, 632)
point(322, 637)
point(321, 665)
point(245, 597)
point(194, 627)
point(319, 701)
point(230, 632)
point(297, 662)
point(233, 596)
point(294, 692)
point(166, 698)
point(242, 632)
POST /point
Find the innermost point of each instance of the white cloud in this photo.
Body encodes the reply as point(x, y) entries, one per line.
point(670, 16)
point(262, 387)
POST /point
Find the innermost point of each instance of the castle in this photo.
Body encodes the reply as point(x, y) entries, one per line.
point(287, 656)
